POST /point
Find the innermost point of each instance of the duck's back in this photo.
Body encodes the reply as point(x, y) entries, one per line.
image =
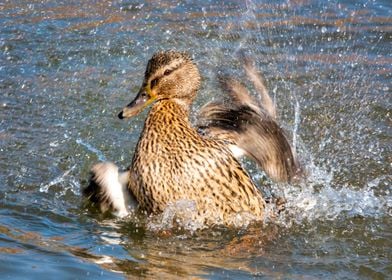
point(173, 162)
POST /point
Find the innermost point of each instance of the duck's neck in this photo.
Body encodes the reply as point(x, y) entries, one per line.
point(167, 127)
point(168, 112)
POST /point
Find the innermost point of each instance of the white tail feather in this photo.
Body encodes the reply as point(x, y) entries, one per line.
point(109, 189)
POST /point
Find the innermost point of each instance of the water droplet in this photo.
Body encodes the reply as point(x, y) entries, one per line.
point(54, 144)
point(323, 29)
point(203, 25)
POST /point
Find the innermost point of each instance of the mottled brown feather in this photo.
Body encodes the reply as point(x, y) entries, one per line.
point(180, 164)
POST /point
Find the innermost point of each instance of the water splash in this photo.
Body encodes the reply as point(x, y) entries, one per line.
point(177, 214)
point(57, 180)
point(318, 199)
point(297, 120)
point(91, 148)
point(182, 214)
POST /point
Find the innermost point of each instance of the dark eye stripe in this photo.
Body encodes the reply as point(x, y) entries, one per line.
point(154, 82)
point(167, 72)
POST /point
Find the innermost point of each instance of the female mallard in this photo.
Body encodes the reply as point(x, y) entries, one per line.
point(176, 161)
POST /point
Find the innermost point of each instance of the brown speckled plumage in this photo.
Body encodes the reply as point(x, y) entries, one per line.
point(172, 162)
point(176, 161)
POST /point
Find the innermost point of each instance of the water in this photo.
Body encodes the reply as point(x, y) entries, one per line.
point(66, 69)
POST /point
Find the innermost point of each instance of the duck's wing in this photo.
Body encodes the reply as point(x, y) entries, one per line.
point(108, 189)
point(250, 128)
point(258, 81)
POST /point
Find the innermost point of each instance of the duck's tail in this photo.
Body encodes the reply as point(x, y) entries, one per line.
point(250, 126)
point(108, 189)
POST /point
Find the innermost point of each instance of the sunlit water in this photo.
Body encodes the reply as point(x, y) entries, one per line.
point(66, 69)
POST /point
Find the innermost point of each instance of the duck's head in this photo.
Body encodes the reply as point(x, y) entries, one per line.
point(169, 75)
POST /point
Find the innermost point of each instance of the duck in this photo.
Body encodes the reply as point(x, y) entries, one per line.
point(176, 160)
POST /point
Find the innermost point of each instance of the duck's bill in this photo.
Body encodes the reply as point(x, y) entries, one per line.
point(141, 101)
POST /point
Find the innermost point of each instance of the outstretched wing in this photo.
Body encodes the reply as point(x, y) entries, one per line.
point(250, 127)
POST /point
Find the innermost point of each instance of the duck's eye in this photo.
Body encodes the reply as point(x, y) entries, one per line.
point(167, 72)
point(154, 82)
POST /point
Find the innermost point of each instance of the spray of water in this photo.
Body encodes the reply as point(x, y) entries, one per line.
point(89, 147)
point(57, 180)
point(320, 197)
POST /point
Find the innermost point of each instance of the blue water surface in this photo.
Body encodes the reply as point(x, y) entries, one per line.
point(68, 67)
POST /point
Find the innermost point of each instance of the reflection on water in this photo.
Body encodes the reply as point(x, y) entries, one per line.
point(67, 68)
